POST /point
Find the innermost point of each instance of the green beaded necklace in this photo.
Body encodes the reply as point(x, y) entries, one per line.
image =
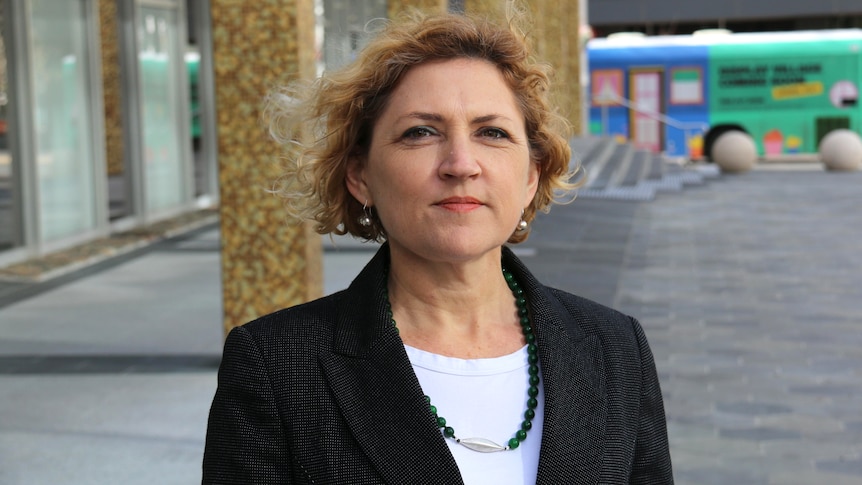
point(481, 444)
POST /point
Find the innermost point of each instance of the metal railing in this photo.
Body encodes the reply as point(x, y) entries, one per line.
point(608, 99)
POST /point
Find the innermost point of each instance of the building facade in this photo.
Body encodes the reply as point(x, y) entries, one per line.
point(95, 121)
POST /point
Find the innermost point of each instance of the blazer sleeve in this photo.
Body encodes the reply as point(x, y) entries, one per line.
point(652, 463)
point(245, 441)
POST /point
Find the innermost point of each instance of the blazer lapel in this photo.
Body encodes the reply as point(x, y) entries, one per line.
point(572, 370)
point(374, 385)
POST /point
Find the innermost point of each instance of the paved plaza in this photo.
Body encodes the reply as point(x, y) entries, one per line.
point(750, 292)
point(749, 288)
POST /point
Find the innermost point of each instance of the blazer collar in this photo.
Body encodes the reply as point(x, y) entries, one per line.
point(376, 388)
point(362, 310)
point(572, 371)
point(374, 385)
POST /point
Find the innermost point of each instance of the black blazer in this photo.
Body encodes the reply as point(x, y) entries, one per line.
point(324, 393)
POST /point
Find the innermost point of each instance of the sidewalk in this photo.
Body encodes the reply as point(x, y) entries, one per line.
point(108, 378)
point(748, 288)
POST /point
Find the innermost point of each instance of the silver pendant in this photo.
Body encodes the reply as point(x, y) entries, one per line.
point(481, 445)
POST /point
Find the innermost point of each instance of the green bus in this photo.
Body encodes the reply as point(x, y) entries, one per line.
point(677, 94)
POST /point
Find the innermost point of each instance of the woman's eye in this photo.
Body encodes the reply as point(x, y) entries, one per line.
point(419, 132)
point(495, 133)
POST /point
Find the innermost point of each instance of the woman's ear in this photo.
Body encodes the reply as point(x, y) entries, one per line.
point(535, 172)
point(356, 180)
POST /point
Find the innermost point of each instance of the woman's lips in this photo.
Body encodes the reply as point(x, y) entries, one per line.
point(459, 204)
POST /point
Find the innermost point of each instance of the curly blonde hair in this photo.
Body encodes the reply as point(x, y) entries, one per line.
point(325, 123)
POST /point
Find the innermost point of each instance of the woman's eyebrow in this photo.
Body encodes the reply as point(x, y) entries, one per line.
point(422, 116)
point(489, 117)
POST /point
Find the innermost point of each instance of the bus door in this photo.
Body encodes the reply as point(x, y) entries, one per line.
point(645, 88)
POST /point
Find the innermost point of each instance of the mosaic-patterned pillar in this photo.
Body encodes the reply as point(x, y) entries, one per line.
point(267, 263)
point(555, 36)
point(495, 8)
point(112, 86)
point(394, 7)
point(557, 30)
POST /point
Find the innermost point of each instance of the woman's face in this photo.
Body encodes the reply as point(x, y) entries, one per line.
point(448, 169)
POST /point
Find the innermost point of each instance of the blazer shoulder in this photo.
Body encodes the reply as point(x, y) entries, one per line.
point(306, 322)
point(594, 318)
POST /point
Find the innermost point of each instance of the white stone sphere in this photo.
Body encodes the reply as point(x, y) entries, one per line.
point(841, 150)
point(734, 152)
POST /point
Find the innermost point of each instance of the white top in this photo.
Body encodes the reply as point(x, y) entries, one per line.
point(484, 398)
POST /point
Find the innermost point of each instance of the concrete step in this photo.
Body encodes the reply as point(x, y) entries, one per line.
point(609, 172)
point(589, 151)
point(656, 168)
point(622, 172)
point(637, 169)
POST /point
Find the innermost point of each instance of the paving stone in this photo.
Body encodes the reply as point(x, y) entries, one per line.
point(752, 408)
point(759, 434)
point(847, 467)
point(718, 476)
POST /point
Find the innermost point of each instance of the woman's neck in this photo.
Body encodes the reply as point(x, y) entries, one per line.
point(463, 310)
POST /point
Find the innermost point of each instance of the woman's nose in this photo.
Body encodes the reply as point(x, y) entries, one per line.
point(459, 158)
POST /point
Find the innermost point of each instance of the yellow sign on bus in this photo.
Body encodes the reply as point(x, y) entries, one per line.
point(799, 90)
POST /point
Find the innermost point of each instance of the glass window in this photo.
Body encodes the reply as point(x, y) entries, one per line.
point(62, 118)
point(158, 55)
point(686, 85)
point(9, 228)
point(347, 28)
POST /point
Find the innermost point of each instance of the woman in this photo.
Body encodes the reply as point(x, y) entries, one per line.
point(445, 361)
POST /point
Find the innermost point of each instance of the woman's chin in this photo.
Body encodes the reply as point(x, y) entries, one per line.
point(454, 248)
